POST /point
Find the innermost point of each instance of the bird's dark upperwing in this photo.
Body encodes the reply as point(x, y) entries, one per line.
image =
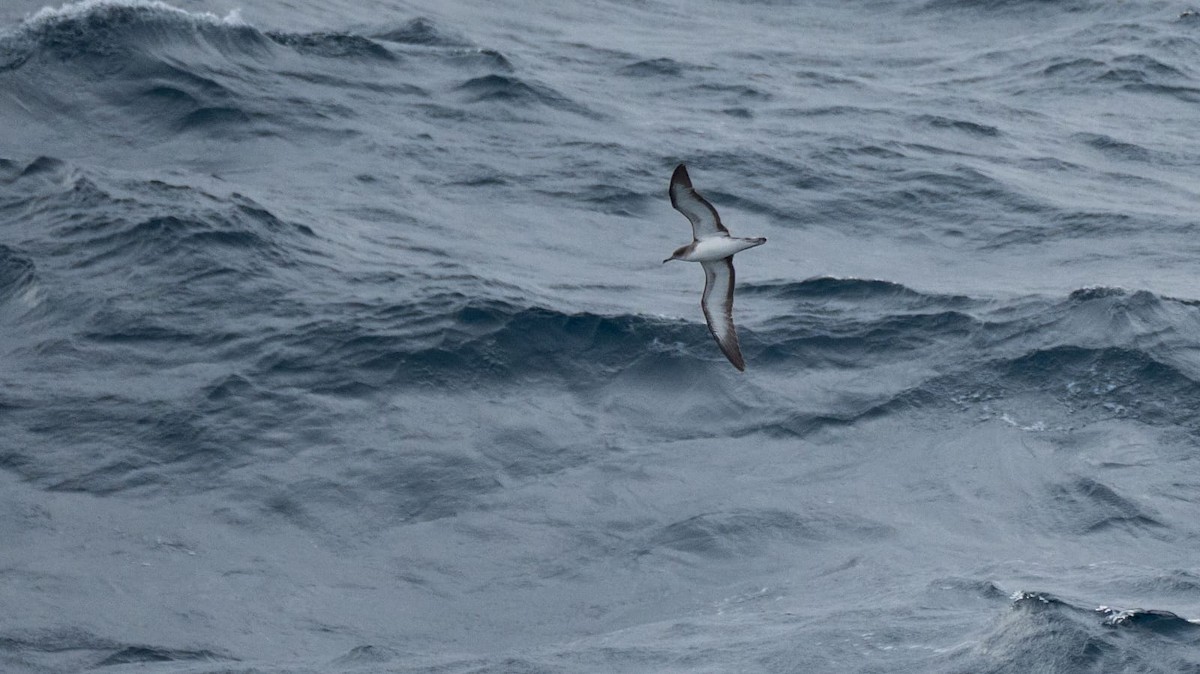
point(704, 218)
point(717, 304)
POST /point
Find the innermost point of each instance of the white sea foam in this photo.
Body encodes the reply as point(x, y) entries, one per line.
point(74, 10)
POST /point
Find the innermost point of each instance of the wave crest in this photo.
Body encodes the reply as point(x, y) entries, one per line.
point(475, 341)
point(111, 27)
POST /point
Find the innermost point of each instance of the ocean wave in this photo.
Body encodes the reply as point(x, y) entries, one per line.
point(842, 323)
point(1100, 353)
point(368, 654)
point(145, 654)
point(333, 45)
point(1115, 148)
point(158, 65)
point(512, 90)
point(422, 31)
point(16, 273)
point(13, 172)
point(1178, 583)
point(746, 531)
point(850, 410)
point(88, 8)
point(487, 60)
point(613, 199)
point(727, 94)
point(165, 71)
point(857, 323)
point(182, 252)
point(1086, 506)
point(1155, 621)
point(1042, 631)
point(425, 39)
point(659, 67)
point(118, 28)
point(853, 291)
point(1105, 370)
point(1136, 72)
point(1058, 225)
point(453, 340)
point(1072, 67)
point(44, 649)
point(969, 589)
point(110, 28)
point(965, 126)
point(1063, 387)
point(1185, 93)
point(861, 342)
point(212, 236)
point(957, 187)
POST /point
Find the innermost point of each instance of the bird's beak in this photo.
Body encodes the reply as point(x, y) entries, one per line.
point(668, 260)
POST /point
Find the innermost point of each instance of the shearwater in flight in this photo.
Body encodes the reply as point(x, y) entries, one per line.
point(713, 248)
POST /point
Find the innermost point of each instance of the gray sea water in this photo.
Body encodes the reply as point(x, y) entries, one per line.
point(334, 337)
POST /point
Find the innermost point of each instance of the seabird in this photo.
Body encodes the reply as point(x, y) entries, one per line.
point(714, 249)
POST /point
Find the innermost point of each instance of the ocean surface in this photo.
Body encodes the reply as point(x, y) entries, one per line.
point(335, 337)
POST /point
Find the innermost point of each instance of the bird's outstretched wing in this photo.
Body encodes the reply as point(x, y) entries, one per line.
point(704, 218)
point(717, 303)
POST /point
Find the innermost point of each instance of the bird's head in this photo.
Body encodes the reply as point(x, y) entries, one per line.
point(678, 254)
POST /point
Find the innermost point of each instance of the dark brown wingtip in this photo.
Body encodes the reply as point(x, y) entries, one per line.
point(732, 352)
point(681, 176)
point(738, 362)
